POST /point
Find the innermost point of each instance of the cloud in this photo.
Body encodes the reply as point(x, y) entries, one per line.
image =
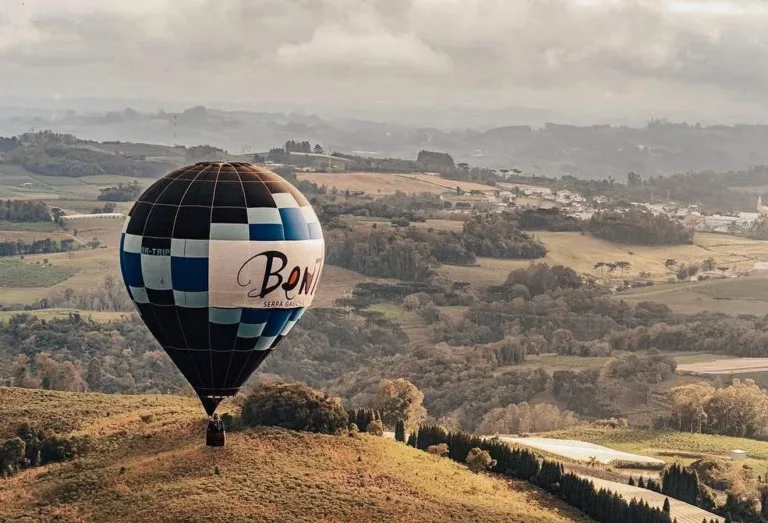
point(359, 51)
point(559, 53)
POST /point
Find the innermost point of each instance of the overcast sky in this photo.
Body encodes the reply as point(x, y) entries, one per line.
point(595, 57)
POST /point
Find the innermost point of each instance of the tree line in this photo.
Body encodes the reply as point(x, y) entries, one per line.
point(45, 246)
point(24, 211)
point(522, 464)
point(414, 254)
point(120, 193)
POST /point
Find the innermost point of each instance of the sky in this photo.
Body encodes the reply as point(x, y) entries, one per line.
point(703, 60)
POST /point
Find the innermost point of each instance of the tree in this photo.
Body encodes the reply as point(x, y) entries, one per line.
point(670, 264)
point(11, 454)
point(93, 376)
point(623, 265)
point(401, 399)
point(479, 460)
point(440, 450)
point(666, 507)
point(318, 149)
point(400, 431)
point(708, 265)
point(294, 406)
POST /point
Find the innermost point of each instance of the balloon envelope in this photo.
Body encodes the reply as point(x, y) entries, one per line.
point(221, 260)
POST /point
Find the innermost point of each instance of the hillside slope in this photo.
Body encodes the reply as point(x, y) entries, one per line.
point(149, 463)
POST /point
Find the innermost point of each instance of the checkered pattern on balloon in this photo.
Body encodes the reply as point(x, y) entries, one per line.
point(193, 253)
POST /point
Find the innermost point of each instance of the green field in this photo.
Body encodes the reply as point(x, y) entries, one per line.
point(747, 295)
point(46, 187)
point(15, 273)
point(148, 463)
point(28, 226)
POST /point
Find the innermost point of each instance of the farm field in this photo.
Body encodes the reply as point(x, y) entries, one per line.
point(581, 252)
point(726, 366)
point(82, 270)
point(386, 183)
point(21, 275)
point(682, 512)
point(57, 234)
point(579, 450)
point(28, 226)
point(47, 187)
point(149, 458)
point(747, 295)
point(669, 445)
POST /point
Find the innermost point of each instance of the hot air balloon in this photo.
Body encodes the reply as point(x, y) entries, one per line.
point(221, 260)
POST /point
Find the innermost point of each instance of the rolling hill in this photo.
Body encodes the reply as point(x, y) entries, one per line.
point(148, 464)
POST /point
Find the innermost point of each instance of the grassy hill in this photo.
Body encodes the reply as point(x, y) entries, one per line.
point(149, 463)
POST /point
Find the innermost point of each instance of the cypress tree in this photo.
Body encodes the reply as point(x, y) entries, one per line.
point(412, 440)
point(640, 482)
point(667, 508)
point(631, 481)
point(400, 431)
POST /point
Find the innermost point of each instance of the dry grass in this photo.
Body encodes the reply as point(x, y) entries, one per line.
point(581, 252)
point(386, 183)
point(265, 475)
point(727, 366)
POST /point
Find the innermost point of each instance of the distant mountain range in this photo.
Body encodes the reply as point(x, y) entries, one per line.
point(598, 151)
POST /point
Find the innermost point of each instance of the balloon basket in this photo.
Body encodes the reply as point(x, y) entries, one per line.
point(215, 439)
point(215, 435)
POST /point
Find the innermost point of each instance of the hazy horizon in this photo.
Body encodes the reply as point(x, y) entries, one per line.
point(573, 61)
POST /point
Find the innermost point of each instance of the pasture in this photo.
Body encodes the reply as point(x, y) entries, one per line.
point(747, 295)
point(582, 252)
point(390, 183)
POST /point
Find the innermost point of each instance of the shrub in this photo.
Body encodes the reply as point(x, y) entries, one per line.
point(439, 450)
point(479, 460)
point(375, 428)
point(294, 406)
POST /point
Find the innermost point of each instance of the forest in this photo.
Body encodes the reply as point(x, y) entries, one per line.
point(54, 154)
point(24, 211)
point(638, 227)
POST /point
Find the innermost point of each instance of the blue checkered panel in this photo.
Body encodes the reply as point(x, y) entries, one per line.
point(164, 260)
